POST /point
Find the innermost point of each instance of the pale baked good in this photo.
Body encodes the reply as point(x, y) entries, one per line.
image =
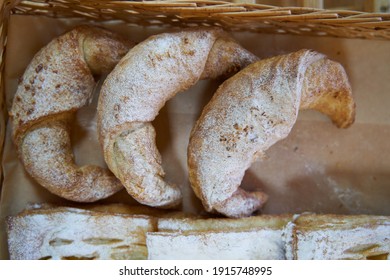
point(333, 237)
point(132, 95)
point(203, 224)
point(253, 110)
point(118, 231)
point(117, 208)
point(257, 237)
point(58, 81)
point(64, 233)
point(258, 244)
point(293, 237)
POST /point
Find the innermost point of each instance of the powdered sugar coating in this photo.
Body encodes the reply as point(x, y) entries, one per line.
point(258, 244)
point(334, 237)
point(249, 113)
point(48, 155)
point(69, 233)
point(132, 95)
point(57, 82)
point(47, 87)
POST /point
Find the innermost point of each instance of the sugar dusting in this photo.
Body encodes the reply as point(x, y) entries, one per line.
point(336, 244)
point(73, 233)
point(139, 86)
point(57, 82)
point(249, 112)
point(252, 111)
point(261, 244)
point(46, 232)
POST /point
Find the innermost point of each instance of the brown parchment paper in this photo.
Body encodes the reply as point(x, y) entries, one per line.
point(317, 168)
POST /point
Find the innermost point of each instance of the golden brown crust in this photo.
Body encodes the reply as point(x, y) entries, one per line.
point(58, 81)
point(331, 96)
point(249, 113)
point(134, 92)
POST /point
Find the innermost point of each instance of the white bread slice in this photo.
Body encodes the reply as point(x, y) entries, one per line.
point(257, 244)
point(257, 237)
point(331, 237)
point(70, 233)
point(118, 231)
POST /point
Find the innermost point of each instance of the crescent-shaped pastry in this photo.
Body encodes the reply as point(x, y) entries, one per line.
point(132, 95)
point(253, 110)
point(58, 81)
